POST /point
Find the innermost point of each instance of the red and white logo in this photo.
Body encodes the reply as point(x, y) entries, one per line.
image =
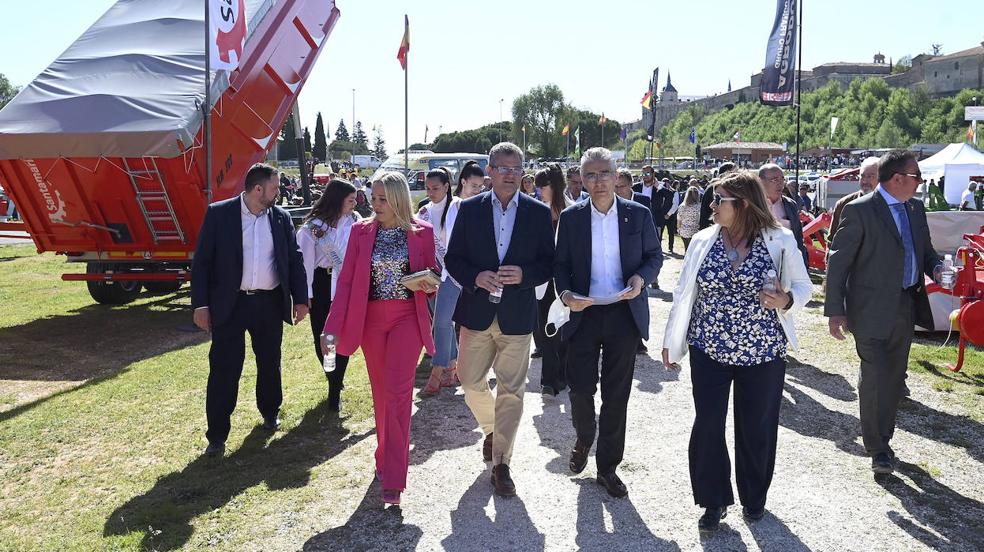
point(227, 19)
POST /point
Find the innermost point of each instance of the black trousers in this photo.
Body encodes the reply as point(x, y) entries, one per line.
point(608, 332)
point(671, 229)
point(881, 382)
point(260, 315)
point(320, 307)
point(758, 394)
point(553, 350)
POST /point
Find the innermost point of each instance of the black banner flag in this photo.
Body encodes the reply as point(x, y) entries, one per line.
point(778, 80)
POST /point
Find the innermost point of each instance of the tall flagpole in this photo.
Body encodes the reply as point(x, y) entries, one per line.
point(406, 105)
point(799, 88)
point(208, 105)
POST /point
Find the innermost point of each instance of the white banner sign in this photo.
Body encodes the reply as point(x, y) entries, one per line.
point(973, 113)
point(833, 126)
point(227, 33)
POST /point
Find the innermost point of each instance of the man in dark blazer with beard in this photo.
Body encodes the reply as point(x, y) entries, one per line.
point(875, 290)
point(247, 277)
point(604, 245)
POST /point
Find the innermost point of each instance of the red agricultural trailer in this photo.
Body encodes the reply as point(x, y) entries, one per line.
point(103, 155)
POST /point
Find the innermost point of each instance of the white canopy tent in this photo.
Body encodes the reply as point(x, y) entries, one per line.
point(957, 162)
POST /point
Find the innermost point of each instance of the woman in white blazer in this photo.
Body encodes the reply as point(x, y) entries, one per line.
point(737, 330)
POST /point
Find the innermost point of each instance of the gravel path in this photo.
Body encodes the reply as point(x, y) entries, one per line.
point(823, 496)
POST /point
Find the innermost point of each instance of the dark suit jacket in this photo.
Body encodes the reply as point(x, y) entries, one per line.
point(792, 213)
point(705, 207)
point(639, 198)
point(638, 246)
point(865, 266)
point(217, 269)
point(838, 209)
point(659, 204)
point(473, 250)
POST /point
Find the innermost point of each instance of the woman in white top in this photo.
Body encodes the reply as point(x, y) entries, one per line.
point(742, 279)
point(323, 238)
point(441, 213)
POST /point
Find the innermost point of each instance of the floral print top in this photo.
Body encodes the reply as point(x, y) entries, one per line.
point(728, 322)
point(390, 262)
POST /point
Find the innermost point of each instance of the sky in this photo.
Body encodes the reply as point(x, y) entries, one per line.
point(467, 55)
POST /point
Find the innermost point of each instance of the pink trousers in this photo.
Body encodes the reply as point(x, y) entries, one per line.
point(391, 345)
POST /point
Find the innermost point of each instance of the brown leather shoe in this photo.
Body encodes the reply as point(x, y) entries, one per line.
point(579, 457)
point(487, 448)
point(502, 482)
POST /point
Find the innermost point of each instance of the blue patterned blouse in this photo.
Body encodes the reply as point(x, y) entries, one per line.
point(728, 321)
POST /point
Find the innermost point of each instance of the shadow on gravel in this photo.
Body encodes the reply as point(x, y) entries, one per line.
point(651, 374)
point(958, 431)
point(771, 533)
point(473, 529)
point(834, 386)
point(441, 423)
point(947, 519)
point(207, 484)
point(725, 538)
point(369, 528)
point(556, 432)
point(804, 415)
point(628, 531)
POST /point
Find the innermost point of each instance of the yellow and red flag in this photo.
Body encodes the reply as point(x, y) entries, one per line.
point(566, 131)
point(602, 120)
point(404, 44)
point(647, 99)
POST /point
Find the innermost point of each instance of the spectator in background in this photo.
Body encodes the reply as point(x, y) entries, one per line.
point(362, 205)
point(868, 174)
point(671, 214)
point(575, 189)
point(967, 202)
point(785, 210)
point(803, 199)
point(526, 185)
point(705, 200)
point(689, 215)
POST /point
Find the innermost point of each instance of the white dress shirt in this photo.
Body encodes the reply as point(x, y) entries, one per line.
point(647, 190)
point(504, 221)
point(606, 257)
point(259, 263)
point(779, 211)
point(676, 202)
point(317, 241)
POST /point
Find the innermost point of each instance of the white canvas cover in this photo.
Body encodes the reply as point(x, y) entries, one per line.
point(131, 85)
point(957, 162)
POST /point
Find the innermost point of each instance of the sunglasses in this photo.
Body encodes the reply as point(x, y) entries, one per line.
point(719, 199)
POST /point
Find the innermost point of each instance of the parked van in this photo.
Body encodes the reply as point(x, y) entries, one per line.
point(366, 161)
point(421, 161)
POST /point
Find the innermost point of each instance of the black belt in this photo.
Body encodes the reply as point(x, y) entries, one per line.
point(259, 291)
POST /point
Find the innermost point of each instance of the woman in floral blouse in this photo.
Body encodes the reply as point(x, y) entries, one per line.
point(742, 279)
point(688, 215)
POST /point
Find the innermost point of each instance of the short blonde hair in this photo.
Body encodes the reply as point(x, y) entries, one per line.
point(398, 197)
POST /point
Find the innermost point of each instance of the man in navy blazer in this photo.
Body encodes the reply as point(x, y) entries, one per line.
point(604, 245)
point(502, 248)
point(246, 274)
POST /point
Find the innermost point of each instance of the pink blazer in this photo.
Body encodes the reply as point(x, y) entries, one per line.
point(348, 311)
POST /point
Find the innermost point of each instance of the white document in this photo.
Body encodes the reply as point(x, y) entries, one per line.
point(605, 300)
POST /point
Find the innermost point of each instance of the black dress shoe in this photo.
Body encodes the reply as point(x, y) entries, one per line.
point(548, 390)
point(536, 354)
point(502, 481)
point(215, 449)
point(611, 482)
point(641, 349)
point(271, 424)
point(487, 448)
point(712, 518)
point(752, 515)
point(882, 463)
point(579, 457)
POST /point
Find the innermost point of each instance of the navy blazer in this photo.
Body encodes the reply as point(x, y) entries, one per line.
point(639, 248)
point(659, 204)
point(643, 200)
point(217, 268)
point(473, 250)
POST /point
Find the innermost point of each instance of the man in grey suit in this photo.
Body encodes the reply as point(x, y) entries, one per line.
point(875, 290)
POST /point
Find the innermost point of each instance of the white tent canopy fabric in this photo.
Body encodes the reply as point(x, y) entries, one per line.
point(957, 162)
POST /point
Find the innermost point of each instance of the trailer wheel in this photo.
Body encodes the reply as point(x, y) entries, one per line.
point(110, 293)
point(162, 287)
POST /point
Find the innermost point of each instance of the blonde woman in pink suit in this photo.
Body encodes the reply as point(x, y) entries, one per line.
point(390, 322)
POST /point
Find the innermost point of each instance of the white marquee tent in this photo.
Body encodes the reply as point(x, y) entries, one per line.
point(958, 162)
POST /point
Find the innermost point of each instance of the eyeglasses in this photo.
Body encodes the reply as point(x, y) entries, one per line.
point(719, 199)
point(917, 176)
point(598, 175)
point(507, 171)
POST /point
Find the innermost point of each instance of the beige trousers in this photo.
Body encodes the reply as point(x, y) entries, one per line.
point(509, 357)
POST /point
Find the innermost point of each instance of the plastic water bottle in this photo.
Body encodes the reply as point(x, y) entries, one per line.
point(770, 281)
point(495, 296)
point(947, 274)
point(329, 363)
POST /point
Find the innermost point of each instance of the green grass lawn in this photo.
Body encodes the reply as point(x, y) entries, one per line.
point(102, 421)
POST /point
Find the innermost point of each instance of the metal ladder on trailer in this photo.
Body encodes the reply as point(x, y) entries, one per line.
point(155, 204)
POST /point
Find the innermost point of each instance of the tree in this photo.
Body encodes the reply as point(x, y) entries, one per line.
point(378, 144)
point(342, 132)
point(902, 65)
point(288, 144)
point(307, 140)
point(320, 150)
point(541, 110)
point(359, 135)
point(7, 90)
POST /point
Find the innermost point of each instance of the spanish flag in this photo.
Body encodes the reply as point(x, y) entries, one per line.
point(647, 100)
point(566, 131)
point(404, 44)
